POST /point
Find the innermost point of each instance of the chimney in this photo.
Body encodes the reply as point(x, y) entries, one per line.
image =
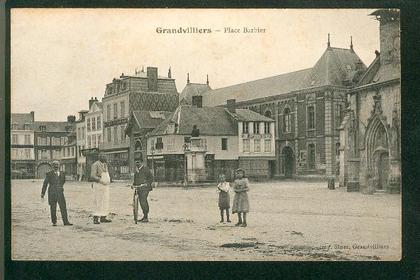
point(91, 101)
point(71, 119)
point(231, 105)
point(33, 116)
point(152, 77)
point(197, 101)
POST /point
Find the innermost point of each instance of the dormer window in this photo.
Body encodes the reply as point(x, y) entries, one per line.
point(43, 128)
point(14, 126)
point(26, 126)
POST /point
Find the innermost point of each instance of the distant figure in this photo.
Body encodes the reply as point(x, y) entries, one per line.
point(224, 198)
point(240, 201)
point(99, 174)
point(143, 178)
point(54, 181)
point(195, 132)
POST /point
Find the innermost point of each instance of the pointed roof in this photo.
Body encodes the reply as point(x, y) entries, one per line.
point(336, 67)
point(190, 90)
point(147, 119)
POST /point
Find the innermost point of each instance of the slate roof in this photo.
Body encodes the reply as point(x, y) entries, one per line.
point(250, 116)
point(190, 90)
point(151, 119)
point(51, 126)
point(209, 120)
point(20, 119)
point(335, 67)
point(379, 73)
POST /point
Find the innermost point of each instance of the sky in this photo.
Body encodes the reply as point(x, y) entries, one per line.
point(62, 57)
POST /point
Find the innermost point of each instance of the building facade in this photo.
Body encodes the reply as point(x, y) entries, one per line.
point(139, 124)
point(199, 143)
point(307, 107)
point(22, 145)
point(81, 145)
point(142, 91)
point(371, 131)
point(50, 138)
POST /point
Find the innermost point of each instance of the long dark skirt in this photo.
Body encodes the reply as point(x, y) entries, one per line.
point(224, 200)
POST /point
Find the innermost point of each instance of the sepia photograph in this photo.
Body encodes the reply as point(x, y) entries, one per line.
point(205, 134)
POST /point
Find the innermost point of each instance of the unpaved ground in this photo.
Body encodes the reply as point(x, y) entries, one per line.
point(289, 220)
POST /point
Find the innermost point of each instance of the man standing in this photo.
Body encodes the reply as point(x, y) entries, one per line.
point(99, 174)
point(54, 181)
point(143, 178)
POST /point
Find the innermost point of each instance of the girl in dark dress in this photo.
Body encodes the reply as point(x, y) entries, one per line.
point(224, 198)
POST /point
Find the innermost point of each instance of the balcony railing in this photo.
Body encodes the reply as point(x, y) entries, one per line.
point(115, 145)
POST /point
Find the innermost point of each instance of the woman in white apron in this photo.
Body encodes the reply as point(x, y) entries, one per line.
point(100, 176)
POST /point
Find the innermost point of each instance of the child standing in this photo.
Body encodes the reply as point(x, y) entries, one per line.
point(224, 198)
point(240, 201)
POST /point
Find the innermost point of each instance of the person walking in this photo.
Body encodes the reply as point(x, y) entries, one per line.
point(240, 200)
point(224, 198)
point(100, 176)
point(143, 178)
point(54, 182)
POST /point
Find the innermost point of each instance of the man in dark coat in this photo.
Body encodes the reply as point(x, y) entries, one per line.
point(143, 178)
point(54, 181)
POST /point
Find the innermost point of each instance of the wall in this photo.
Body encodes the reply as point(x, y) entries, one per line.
point(213, 146)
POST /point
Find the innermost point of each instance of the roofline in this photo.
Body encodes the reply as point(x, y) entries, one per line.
point(287, 73)
point(373, 85)
point(369, 68)
point(274, 97)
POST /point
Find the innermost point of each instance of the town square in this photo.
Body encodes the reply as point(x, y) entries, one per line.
point(279, 143)
point(288, 221)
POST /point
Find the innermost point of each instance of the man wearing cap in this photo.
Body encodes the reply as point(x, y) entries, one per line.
point(54, 181)
point(143, 178)
point(100, 176)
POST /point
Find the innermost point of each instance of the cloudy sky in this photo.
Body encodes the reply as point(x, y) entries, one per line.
point(62, 57)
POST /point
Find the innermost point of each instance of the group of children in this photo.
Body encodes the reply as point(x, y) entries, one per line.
point(240, 200)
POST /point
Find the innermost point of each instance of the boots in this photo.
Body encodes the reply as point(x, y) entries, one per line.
point(96, 220)
point(227, 216)
point(145, 219)
point(239, 220)
point(105, 220)
point(221, 216)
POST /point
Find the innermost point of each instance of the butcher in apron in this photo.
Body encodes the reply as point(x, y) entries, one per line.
point(101, 180)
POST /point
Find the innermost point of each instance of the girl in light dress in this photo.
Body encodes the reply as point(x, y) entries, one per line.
point(240, 201)
point(224, 198)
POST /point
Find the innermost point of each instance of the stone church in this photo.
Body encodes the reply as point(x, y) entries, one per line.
point(370, 158)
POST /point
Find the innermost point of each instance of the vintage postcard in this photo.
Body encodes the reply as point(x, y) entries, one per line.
point(205, 134)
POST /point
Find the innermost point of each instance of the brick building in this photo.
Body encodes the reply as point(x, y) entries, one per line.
point(307, 107)
point(145, 91)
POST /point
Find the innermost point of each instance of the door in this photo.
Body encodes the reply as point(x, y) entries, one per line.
point(383, 171)
point(288, 161)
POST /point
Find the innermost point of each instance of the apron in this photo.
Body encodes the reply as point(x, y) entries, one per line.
point(101, 195)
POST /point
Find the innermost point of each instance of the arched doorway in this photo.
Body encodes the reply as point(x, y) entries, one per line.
point(377, 153)
point(42, 170)
point(288, 161)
